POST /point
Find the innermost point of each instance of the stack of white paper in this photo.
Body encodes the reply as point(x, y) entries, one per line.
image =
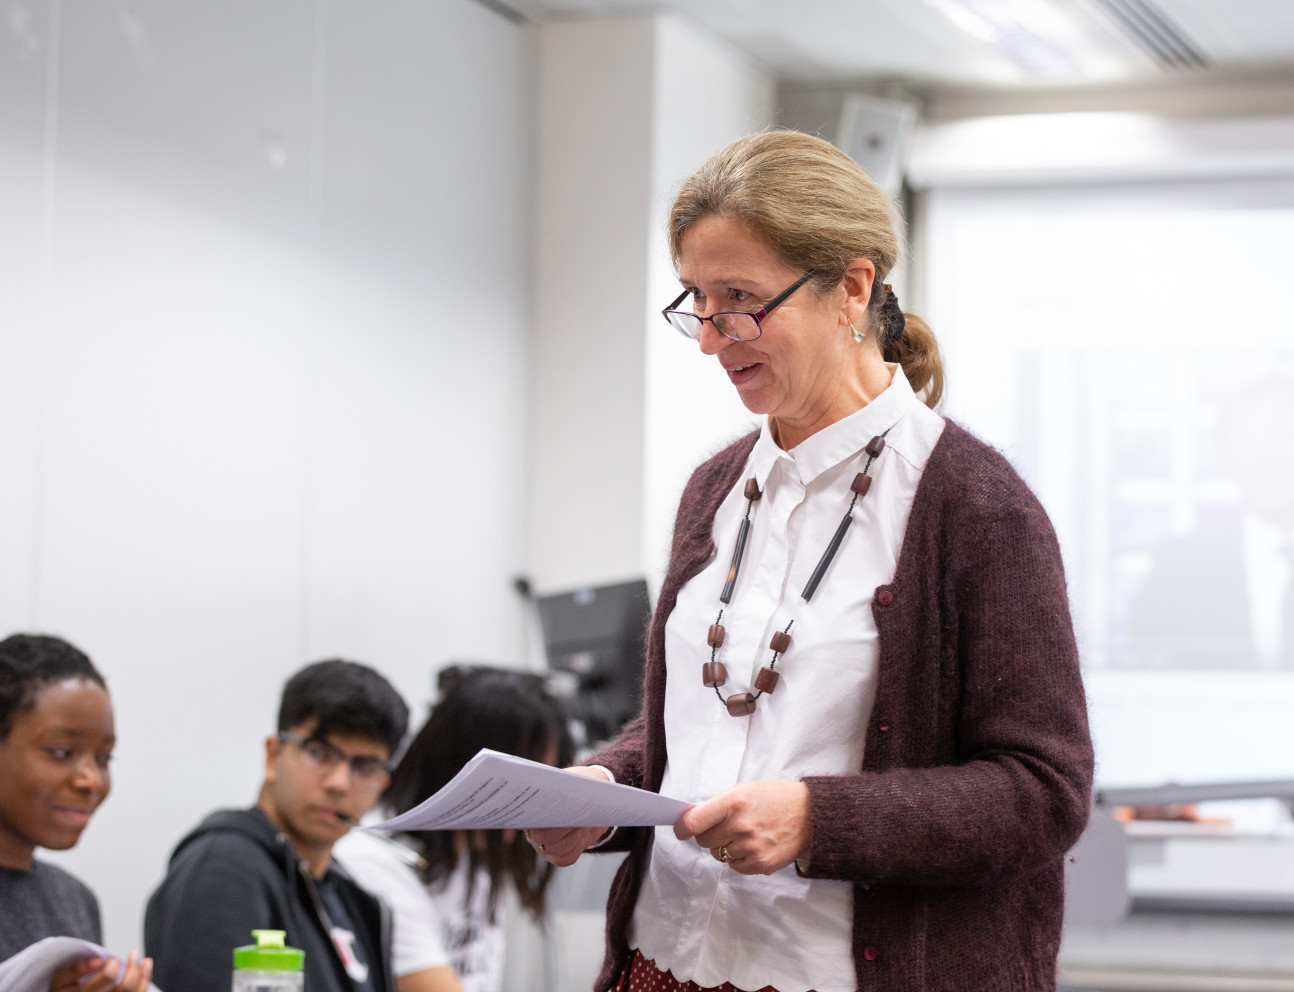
point(496, 790)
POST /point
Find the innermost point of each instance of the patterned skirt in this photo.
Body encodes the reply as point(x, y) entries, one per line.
point(642, 975)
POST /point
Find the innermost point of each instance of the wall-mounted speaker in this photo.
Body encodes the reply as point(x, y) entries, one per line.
point(875, 133)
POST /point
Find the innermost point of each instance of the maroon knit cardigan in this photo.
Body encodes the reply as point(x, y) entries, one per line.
point(978, 766)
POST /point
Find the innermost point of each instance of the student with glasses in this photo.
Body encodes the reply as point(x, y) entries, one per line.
point(270, 867)
point(861, 667)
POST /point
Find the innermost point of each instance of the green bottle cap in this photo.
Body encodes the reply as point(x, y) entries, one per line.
point(269, 953)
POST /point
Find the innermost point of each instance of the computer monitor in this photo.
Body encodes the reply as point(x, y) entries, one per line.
point(599, 635)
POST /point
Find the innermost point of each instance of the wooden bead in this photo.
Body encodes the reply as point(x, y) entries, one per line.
point(766, 680)
point(715, 637)
point(752, 489)
point(780, 641)
point(740, 704)
point(713, 674)
point(875, 446)
point(861, 484)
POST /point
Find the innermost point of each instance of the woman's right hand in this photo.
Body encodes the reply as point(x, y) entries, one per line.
point(96, 975)
point(562, 846)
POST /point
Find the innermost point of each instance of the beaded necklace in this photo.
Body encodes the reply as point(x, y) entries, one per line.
point(713, 673)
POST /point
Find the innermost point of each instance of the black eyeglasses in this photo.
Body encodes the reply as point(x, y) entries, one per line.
point(740, 325)
point(365, 769)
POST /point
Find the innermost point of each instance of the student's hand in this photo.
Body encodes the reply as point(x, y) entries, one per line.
point(439, 979)
point(761, 826)
point(96, 975)
point(562, 846)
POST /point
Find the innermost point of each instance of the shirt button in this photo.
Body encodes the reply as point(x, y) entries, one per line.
point(885, 597)
point(869, 953)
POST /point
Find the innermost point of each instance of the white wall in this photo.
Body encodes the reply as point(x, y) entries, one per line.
point(263, 368)
point(706, 95)
point(624, 407)
point(594, 162)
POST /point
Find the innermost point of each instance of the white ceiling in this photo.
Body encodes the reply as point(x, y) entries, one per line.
point(830, 41)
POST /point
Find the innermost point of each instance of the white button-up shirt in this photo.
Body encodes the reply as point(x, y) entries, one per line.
point(695, 917)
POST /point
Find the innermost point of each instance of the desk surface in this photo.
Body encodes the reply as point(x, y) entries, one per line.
point(1240, 948)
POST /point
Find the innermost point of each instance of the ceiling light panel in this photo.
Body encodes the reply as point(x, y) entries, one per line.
point(1044, 39)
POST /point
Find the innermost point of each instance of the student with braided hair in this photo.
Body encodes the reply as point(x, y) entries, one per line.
point(56, 742)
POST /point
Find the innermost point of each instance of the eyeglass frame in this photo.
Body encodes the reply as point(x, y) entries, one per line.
point(336, 756)
point(757, 315)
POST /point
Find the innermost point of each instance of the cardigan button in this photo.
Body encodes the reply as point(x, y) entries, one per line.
point(885, 597)
point(884, 728)
point(869, 953)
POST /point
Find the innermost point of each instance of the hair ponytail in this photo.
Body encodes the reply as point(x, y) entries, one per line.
point(916, 349)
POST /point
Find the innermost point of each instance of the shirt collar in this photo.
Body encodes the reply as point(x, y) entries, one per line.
point(839, 441)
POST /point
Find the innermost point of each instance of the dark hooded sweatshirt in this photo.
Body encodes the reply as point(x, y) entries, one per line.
point(237, 873)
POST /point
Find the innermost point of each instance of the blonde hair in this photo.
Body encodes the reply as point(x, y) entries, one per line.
point(817, 209)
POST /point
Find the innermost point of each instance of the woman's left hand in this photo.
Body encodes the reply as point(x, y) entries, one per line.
point(761, 826)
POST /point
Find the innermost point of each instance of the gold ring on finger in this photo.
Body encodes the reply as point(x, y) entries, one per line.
point(725, 856)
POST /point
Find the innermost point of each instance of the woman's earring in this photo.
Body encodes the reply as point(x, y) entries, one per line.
point(858, 335)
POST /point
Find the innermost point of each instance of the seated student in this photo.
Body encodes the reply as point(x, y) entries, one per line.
point(465, 874)
point(270, 867)
point(56, 739)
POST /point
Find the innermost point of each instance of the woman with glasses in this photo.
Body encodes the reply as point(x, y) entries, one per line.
point(861, 666)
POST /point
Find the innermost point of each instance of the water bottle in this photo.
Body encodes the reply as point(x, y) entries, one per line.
point(269, 965)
